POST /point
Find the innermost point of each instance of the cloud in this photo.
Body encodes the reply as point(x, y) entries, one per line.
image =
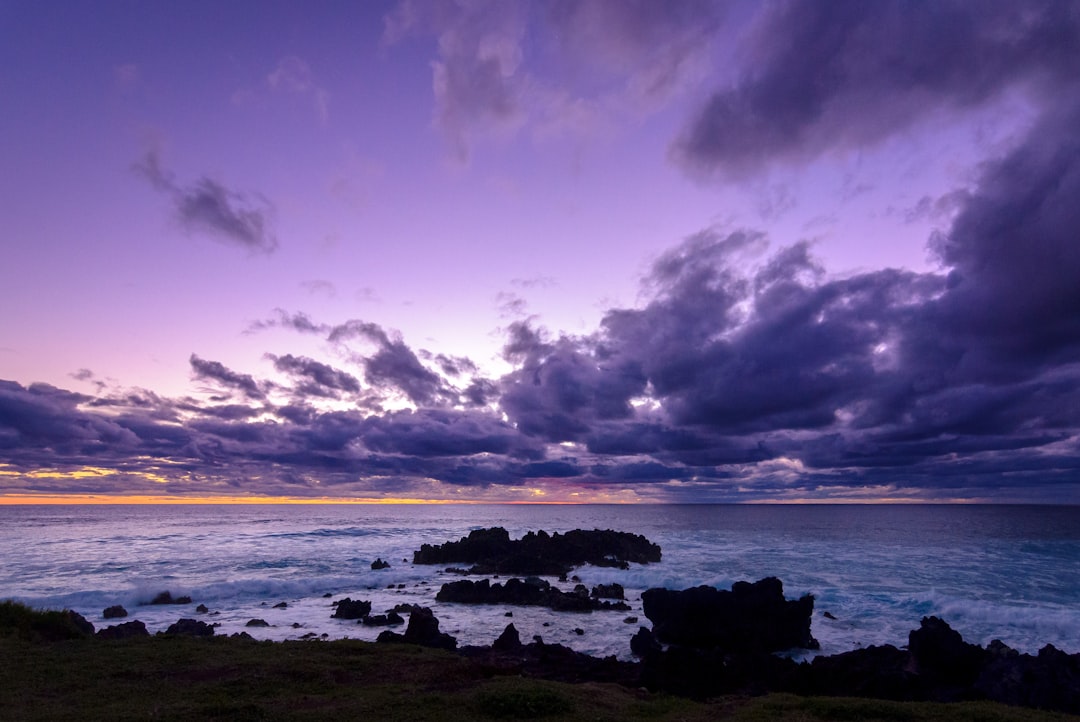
point(207, 207)
point(218, 373)
point(293, 75)
point(822, 75)
point(501, 66)
point(316, 378)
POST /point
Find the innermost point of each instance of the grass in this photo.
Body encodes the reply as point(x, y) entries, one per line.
point(178, 678)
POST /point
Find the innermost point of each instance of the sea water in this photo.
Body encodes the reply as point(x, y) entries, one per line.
point(992, 572)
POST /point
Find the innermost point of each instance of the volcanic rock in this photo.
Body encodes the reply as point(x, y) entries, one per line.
point(423, 629)
point(349, 609)
point(749, 618)
point(190, 628)
point(114, 612)
point(491, 551)
point(134, 628)
point(530, 592)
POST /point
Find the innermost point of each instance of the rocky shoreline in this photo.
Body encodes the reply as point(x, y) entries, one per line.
point(703, 642)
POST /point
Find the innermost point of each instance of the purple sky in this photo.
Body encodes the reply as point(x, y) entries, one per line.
point(608, 250)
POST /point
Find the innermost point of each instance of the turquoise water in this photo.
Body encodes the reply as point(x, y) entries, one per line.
point(1005, 572)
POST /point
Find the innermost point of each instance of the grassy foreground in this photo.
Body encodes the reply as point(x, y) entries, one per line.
point(53, 671)
point(234, 679)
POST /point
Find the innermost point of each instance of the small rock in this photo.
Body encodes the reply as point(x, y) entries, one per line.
point(630, 620)
point(380, 564)
point(281, 605)
point(579, 631)
point(257, 623)
point(829, 615)
point(202, 609)
point(114, 612)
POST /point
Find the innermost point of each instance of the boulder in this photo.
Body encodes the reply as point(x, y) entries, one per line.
point(380, 564)
point(114, 612)
point(609, 591)
point(281, 605)
point(423, 630)
point(134, 628)
point(383, 620)
point(166, 597)
point(349, 609)
point(202, 609)
point(491, 551)
point(257, 623)
point(749, 618)
point(190, 628)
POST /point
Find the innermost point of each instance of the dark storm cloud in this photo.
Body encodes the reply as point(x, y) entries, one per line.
point(316, 377)
point(833, 74)
point(207, 206)
point(217, 372)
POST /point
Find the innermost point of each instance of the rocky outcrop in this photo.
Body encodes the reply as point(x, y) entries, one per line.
point(190, 628)
point(380, 564)
point(383, 620)
point(609, 591)
point(423, 630)
point(749, 618)
point(114, 612)
point(491, 551)
point(349, 609)
point(134, 628)
point(531, 592)
point(166, 597)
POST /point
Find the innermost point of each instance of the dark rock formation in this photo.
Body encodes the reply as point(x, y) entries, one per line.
point(257, 623)
point(114, 612)
point(380, 564)
point(609, 591)
point(423, 629)
point(509, 640)
point(383, 620)
point(349, 609)
point(530, 592)
point(643, 643)
point(281, 605)
point(202, 609)
point(134, 628)
point(190, 628)
point(166, 597)
point(491, 551)
point(750, 618)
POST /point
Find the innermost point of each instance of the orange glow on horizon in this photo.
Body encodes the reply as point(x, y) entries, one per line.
point(78, 499)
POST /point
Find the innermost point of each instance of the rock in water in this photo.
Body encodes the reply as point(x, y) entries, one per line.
point(491, 551)
point(423, 629)
point(749, 618)
point(114, 612)
point(349, 609)
point(190, 628)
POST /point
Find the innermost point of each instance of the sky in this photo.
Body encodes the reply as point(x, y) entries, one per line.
point(554, 251)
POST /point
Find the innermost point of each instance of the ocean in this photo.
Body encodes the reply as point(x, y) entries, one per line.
point(992, 572)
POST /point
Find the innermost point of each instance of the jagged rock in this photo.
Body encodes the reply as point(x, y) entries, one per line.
point(941, 656)
point(609, 591)
point(114, 612)
point(877, 671)
point(190, 628)
point(509, 640)
point(349, 609)
point(383, 620)
point(257, 623)
point(202, 609)
point(380, 564)
point(166, 597)
point(643, 643)
point(532, 592)
point(423, 629)
point(491, 551)
point(134, 628)
point(749, 618)
point(241, 635)
point(405, 608)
